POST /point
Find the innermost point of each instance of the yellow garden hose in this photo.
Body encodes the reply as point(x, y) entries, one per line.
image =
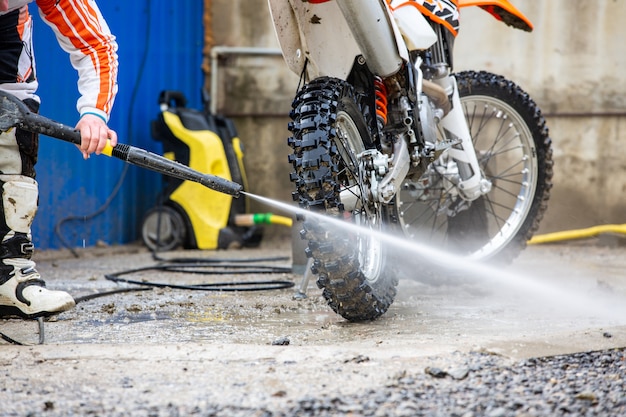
point(269, 218)
point(578, 234)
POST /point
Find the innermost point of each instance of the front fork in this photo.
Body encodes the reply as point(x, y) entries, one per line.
point(380, 42)
point(459, 165)
point(470, 182)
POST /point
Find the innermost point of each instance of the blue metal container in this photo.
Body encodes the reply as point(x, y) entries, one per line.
point(103, 199)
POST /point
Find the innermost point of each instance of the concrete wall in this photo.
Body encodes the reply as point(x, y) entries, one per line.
point(572, 64)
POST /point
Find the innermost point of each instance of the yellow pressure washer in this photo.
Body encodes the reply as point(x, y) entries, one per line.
point(188, 214)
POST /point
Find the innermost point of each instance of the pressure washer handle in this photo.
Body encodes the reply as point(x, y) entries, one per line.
point(34, 122)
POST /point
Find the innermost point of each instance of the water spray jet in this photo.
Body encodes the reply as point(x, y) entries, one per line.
point(605, 306)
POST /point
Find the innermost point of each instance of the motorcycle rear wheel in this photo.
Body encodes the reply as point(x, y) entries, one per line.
point(514, 152)
point(330, 128)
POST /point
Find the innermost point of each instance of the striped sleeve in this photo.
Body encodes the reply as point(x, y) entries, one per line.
point(83, 33)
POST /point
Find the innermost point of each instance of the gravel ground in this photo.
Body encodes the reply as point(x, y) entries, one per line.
point(476, 384)
point(583, 384)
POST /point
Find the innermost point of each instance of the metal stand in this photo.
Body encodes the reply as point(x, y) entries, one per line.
point(42, 336)
point(300, 293)
point(40, 324)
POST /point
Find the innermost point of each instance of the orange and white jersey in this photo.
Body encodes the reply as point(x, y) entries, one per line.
point(81, 31)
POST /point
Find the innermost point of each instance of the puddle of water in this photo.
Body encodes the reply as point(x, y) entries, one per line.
point(130, 318)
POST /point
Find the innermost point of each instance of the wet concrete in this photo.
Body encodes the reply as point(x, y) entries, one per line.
point(167, 346)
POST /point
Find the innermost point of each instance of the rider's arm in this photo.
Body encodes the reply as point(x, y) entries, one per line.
point(83, 33)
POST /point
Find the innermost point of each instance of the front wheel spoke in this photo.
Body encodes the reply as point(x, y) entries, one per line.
point(505, 191)
point(483, 121)
point(507, 147)
point(510, 177)
point(491, 210)
point(512, 170)
point(495, 205)
point(512, 183)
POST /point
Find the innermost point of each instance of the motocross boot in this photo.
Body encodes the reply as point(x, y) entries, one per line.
point(22, 291)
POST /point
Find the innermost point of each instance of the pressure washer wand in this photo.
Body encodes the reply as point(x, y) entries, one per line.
point(14, 113)
point(154, 162)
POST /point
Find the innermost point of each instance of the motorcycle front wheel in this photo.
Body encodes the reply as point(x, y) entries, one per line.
point(330, 127)
point(514, 152)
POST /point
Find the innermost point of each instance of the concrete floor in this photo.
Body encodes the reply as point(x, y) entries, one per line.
point(266, 347)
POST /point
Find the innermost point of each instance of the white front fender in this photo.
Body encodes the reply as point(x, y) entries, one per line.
point(317, 32)
point(333, 33)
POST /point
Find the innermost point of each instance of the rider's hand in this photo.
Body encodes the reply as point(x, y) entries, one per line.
point(94, 134)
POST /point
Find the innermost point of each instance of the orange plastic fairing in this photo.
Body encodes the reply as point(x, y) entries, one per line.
point(503, 11)
point(445, 13)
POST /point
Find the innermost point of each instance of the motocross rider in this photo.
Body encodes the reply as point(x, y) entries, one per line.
point(83, 33)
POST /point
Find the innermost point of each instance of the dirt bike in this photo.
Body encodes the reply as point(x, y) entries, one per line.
point(385, 135)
